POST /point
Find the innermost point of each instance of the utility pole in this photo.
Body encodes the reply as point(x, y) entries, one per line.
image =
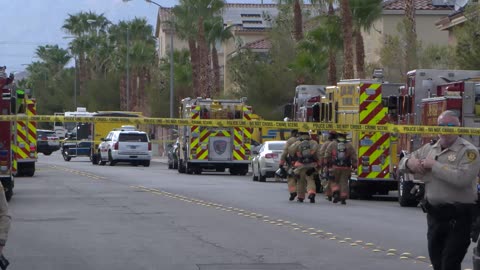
point(128, 71)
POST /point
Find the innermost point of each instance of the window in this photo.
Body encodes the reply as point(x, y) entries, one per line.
point(133, 137)
point(276, 146)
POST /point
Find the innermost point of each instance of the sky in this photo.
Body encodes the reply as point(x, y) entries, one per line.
point(27, 24)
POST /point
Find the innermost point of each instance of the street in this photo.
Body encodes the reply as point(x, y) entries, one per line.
point(73, 215)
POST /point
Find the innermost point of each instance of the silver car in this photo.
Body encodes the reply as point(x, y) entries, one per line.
point(126, 146)
point(266, 160)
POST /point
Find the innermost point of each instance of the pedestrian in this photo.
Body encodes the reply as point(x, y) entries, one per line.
point(449, 169)
point(286, 163)
point(332, 135)
point(341, 158)
point(307, 162)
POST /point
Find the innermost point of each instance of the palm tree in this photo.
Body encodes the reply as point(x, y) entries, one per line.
point(142, 57)
point(347, 31)
point(411, 35)
point(190, 17)
point(297, 15)
point(217, 32)
point(364, 13)
point(86, 27)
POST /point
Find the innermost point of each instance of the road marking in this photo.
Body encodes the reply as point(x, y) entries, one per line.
point(76, 172)
point(311, 231)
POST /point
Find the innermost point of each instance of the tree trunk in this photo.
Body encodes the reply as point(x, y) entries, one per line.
point(360, 54)
point(332, 55)
point(298, 21)
point(82, 76)
point(204, 69)
point(216, 72)
point(194, 60)
point(347, 39)
point(411, 35)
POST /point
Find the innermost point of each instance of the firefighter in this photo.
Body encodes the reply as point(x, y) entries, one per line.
point(340, 158)
point(307, 162)
point(286, 164)
point(332, 135)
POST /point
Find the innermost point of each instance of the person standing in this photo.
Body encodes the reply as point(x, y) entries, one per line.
point(332, 135)
point(340, 158)
point(449, 169)
point(286, 163)
point(307, 162)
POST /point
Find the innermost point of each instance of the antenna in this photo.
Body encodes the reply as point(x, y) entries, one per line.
point(460, 4)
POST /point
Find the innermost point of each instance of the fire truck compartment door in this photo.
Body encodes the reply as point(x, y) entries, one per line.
point(220, 149)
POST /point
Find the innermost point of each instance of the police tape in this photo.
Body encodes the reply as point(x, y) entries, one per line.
point(223, 123)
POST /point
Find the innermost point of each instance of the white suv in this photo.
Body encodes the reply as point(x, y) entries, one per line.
point(125, 145)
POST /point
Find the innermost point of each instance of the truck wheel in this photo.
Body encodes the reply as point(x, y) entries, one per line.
point(175, 165)
point(146, 163)
point(170, 166)
point(47, 153)
point(243, 170)
point(9, 194)
point(188, 169)
point(181, 167)
point(405, 198)
point(30, 172)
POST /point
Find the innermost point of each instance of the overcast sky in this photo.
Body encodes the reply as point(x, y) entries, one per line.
point(26, 24)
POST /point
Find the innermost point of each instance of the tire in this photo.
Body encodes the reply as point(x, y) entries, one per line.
point(47, 153)
point(175, 165)
point(254, 176)
point(9, 194)
point(243, 170)
point(94, 158)
point(233, 171)
point(30, 172)
point(146, 163)
point(262, 178)
point(220, 169)
point(188, 169)
point(111, 162)
point(197, 171)
point(181, 167)
point(65, 155)
point(405, 198)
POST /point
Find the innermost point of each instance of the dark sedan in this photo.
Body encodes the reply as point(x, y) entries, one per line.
point(47, 141)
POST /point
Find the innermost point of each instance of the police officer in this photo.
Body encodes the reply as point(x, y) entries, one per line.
point(449, 168)
point(307, 162)
point(286, 163)
point(341, 158)
point(332, 135)
point(4, 220)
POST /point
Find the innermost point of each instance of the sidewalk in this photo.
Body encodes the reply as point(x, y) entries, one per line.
point(160, 159)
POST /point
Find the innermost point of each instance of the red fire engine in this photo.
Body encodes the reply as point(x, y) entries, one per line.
point(428, 92)
point(6, 174)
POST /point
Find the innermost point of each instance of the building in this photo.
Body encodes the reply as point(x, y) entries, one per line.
point(453, 21)
point(252, 22)
point(427, 13)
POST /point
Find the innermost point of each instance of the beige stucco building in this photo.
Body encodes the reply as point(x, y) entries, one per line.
point(428, 12)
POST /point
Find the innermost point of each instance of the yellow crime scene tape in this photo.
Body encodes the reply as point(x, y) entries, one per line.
point(388, 128)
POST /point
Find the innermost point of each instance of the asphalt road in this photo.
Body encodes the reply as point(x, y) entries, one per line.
point(73, 215)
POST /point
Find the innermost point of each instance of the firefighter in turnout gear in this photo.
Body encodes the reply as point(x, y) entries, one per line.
point(286, 163)
point(332, 135)
point(340, 157)
point(307, 162)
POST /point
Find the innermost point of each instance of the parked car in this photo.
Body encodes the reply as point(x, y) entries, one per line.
point(47, 141)
point(172, 155)
point(266, 160)
point(125, 145)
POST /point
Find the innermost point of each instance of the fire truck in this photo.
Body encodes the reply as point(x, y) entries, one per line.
point(426, 94)
point(214, 148)
point(25, 135)
point(6, 154)
point(364, 102)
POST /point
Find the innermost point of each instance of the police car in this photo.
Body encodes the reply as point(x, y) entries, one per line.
point(126, 144)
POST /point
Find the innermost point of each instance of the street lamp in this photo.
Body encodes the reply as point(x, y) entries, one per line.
point(171, 57)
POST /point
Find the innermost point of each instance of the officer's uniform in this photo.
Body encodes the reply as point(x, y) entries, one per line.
point(450, 194)
point(4, 217)
point(340, 173)
point(291, 181)
point(306, 168)
point(326, 185)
